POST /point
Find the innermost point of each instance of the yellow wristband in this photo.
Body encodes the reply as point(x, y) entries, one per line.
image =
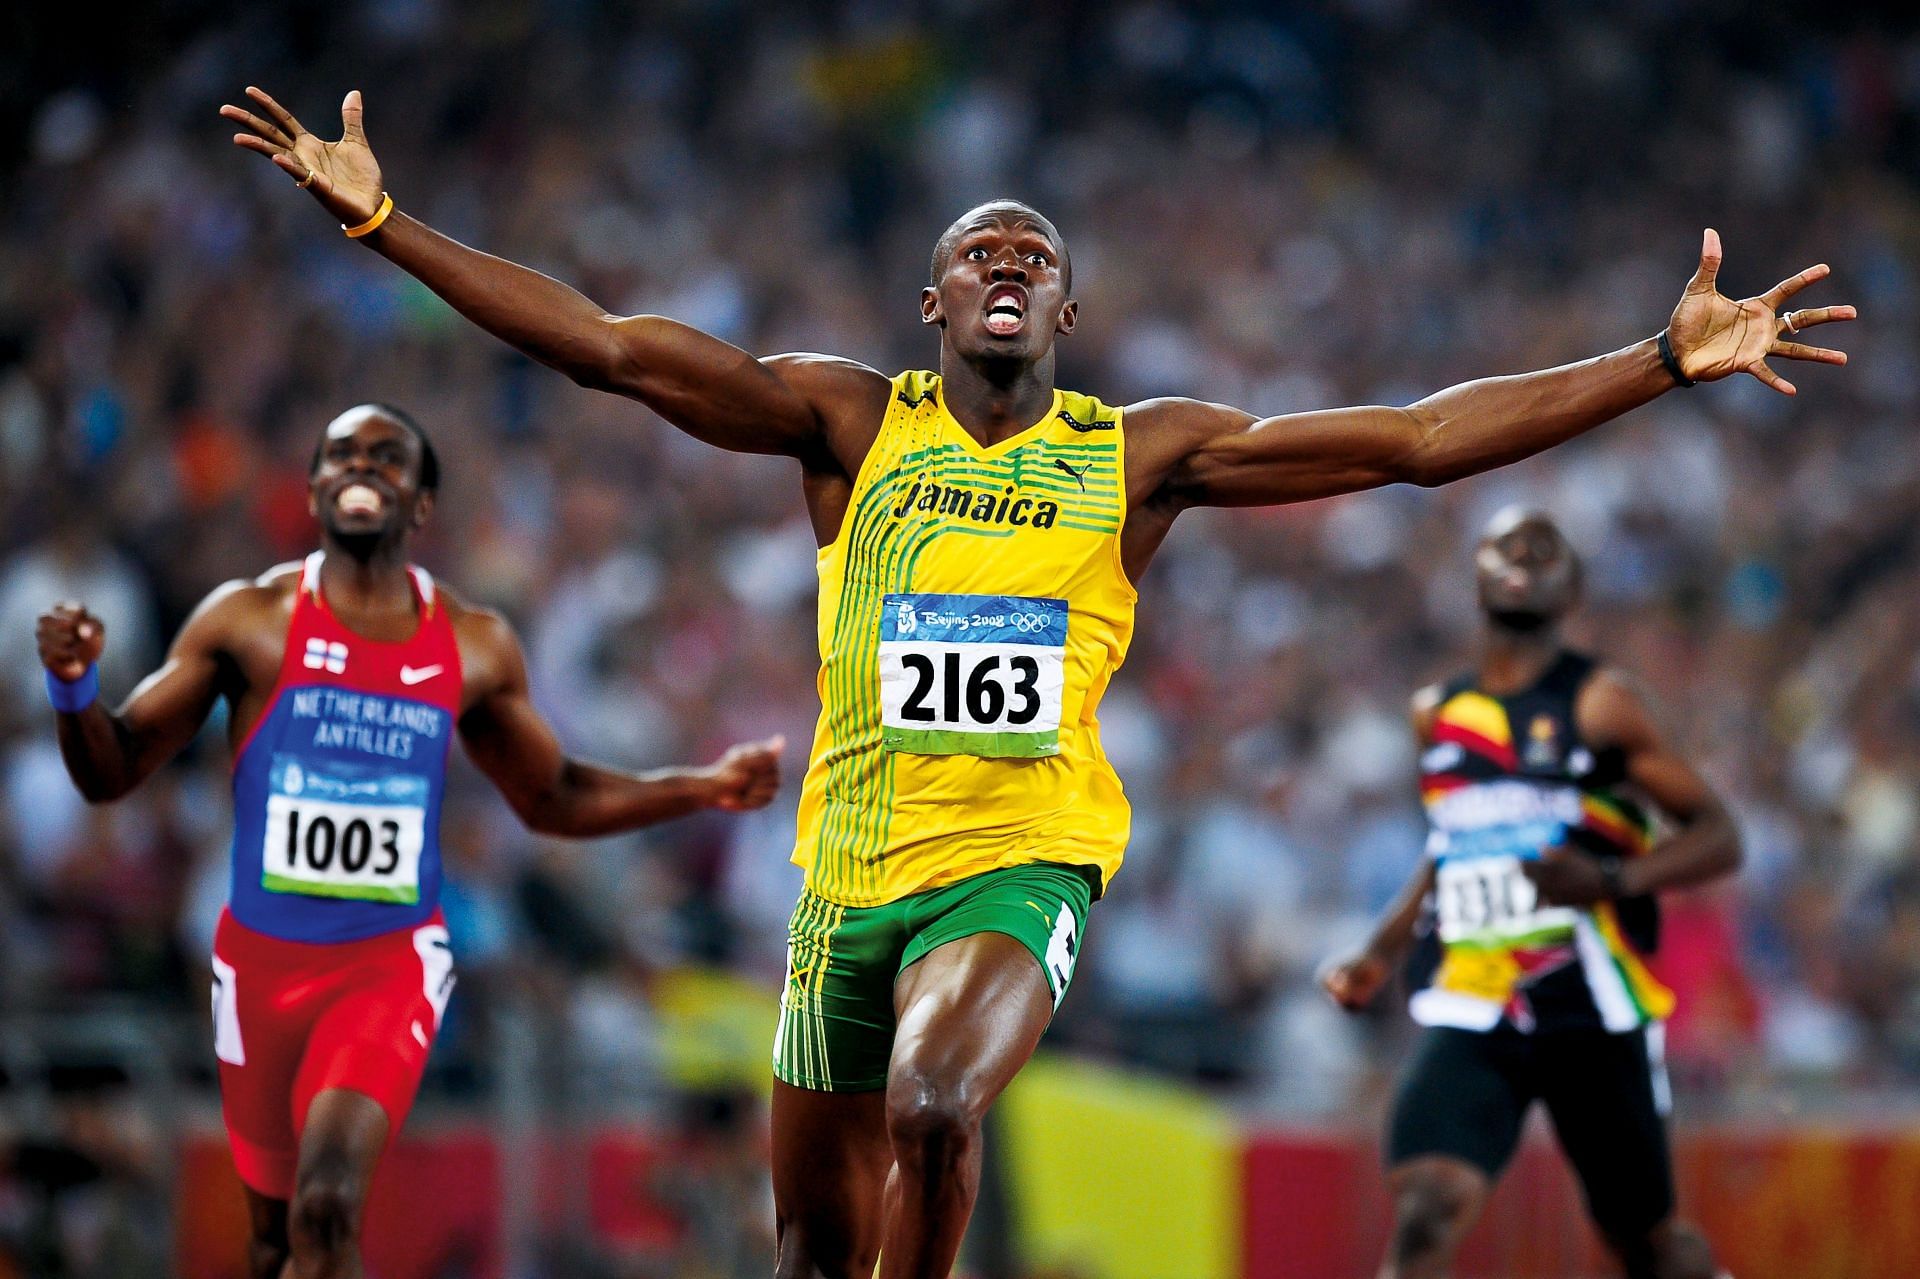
point(372, 224)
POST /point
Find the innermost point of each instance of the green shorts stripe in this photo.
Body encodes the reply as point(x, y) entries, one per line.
point(836, 1009)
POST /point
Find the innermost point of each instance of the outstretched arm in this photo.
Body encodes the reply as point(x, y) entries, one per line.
point(1353, 980)
point(108, 753)
point(1706, 843)
point(706, 387)
point(515, 746)
point(1232, 459)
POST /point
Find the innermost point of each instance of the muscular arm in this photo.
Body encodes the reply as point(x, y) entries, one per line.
point(556, 795)
point(1211, 455)
point(707, 387)
point(108, 753)
point(1706, 844)
point(1463, 430)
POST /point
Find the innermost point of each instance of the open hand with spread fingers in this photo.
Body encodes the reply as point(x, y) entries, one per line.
point(1713, 336)
point(342, 175)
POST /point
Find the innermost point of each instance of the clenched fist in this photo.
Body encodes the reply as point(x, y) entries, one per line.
point(746, 776)
point(71, 639)
point(1355, 980)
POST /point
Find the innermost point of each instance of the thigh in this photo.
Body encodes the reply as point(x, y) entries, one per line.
point(261, 1025)
point(378, 1026)
point(1464, 1097)
point(1605, 1092)
point(830, 1162)
point(1042, 906)
point(970, 1012)
point(836, 1009)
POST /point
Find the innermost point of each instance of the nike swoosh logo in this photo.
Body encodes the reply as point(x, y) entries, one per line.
point(415, 674)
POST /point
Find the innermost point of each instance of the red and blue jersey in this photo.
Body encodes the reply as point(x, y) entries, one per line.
point(337, 790)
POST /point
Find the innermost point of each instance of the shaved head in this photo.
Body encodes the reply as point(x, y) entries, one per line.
point(1012, 212)
point(1527, 571)
point(429, 474)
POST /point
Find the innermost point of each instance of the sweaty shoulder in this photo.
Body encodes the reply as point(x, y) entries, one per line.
point(249, 602)
point(490, 657)
point(1164, 432)
point(1613, 708)
point(848, 399)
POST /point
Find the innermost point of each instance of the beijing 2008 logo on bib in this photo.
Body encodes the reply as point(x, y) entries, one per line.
point(976, 675)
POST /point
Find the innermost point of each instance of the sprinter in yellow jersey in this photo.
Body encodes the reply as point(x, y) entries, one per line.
point(980, 532)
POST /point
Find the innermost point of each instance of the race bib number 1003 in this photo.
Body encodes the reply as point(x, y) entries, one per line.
point(343, 830)
point(972, 674)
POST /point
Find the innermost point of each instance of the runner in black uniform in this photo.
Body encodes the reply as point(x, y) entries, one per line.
point(1538, 886)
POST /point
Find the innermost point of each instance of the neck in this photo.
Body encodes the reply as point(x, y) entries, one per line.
point(1511, 660)
point(995, 399)
point(371, 576)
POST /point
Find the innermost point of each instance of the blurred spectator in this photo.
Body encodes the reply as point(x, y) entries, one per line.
point(1359, 204)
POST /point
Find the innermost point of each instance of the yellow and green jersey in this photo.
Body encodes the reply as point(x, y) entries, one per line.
point(973, 609)
point(1503, 780)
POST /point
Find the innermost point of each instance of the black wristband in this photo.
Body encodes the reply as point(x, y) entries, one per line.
point(1610, 874)
point(1670, 363)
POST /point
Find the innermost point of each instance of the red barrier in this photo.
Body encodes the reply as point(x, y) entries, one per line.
point(435, 1207)
point(1795, 1203)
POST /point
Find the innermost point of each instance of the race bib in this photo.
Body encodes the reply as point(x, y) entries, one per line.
point(972, 674)
point(343, 830)
point(1489, 898)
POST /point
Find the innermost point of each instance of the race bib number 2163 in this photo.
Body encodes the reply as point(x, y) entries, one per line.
point(972, 674)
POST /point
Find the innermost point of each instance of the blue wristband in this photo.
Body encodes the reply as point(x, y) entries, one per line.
point(72, 697)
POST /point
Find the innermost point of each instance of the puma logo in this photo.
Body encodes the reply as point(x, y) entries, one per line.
point(411, 675)
point(1079, 476)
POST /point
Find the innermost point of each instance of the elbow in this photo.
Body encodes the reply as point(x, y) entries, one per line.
point(1420, 462)
point(1730, 852)
point(589, 371)
point(543, 816)
point(102, 788)
point(1733, 855)
point(608, 361)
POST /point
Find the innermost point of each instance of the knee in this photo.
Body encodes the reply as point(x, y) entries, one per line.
point(1671, 1250)
point(929, 1118)
point(267, 1255)
point(799, 1262)
point(1428, 1212)
point(323, 1221)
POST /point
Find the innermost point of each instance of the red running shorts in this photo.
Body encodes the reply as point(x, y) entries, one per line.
point(292, 1019)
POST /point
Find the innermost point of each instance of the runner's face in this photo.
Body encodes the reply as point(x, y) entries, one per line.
point(1525, 568)
point(367, 482)
point(1003, 293)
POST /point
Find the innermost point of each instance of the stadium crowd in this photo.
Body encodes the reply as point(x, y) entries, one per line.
point(1359, 205)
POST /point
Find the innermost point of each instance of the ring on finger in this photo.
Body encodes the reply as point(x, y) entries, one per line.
point(307, 181)
point(1787, 319)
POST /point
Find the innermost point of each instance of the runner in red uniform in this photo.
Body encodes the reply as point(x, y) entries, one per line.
point(347, 676)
